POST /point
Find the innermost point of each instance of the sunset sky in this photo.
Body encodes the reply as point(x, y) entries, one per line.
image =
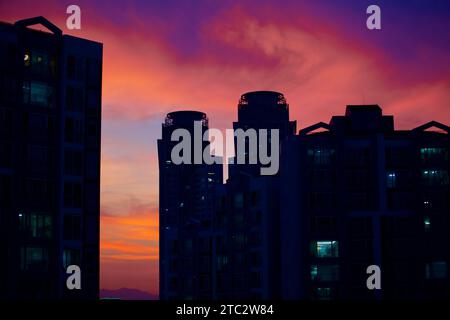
point(161, 56)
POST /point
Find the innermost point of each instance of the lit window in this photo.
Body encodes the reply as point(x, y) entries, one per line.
point(222, 261)
point(27, 58)
point(429, 154)
point(36, 225)
point(390, 182)
point(427, 223)
point(325, 249)
point(71, 257)
point(324, 293)
point(435, 177)
point(37, 93)
point(436, 270)
point(325, 272)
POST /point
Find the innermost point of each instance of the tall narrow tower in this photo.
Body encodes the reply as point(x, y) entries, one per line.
point(185, 214)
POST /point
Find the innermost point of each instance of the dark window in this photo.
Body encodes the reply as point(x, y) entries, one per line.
point(71, 67)
point(74, 130)
point(38, 190)
point(72, 195)
point(73, 162)
point(321, 155)
point(5, 154)
point(34, 258)
point(436, 270)
point(72, 227)
point(74, 98)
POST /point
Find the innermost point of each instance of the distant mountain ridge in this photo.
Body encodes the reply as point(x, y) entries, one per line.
point(127, 294)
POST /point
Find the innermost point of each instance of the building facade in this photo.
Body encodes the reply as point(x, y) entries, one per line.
point(356, 192)
point(50, 129)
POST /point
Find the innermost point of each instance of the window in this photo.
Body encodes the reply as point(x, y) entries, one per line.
point(71, 257)
point(33, 258)
point(73, 162)
point(188, 245)
point(427, 224)
point(37, 190)
point(325, 249)
point(325, 272)
point(74, 130)
point(239, 200)
point(74, 98)
point(321, 156)
point(36, 225)
point(37, 158)
point(39, 62)
point(255, 198)
point(72, 227)
point(436, 270)
point(6, 122)
point(324, 224)
point(38, 93)
point(71, 67)
point(5, 154)
point(435, 177)
point(324, 293)
point(391, 180)
point(428, 155)
point(72, 195)
point(222, 261)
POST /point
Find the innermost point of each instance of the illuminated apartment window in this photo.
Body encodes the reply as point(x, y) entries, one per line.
point(429, 154)
point(435, 177)
point(391, 180)
point(436, 270)
point(325, 272)
point(38, 93)
point(33, 258)
point(324, 293)
point(71, 257)
point(427, 224)
point(36, 225)
point(222, 261)
point(27, 58)
point(325, 249)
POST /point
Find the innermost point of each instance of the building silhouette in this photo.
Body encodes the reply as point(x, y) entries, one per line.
point(247, 262)
point(349, 194)
point(186, 201)
point(356, 192)
point(50, 125)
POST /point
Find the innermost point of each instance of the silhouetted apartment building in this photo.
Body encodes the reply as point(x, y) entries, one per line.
point(50, 121)
point(356, 192)
point(186, 200)
point(247, 264)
